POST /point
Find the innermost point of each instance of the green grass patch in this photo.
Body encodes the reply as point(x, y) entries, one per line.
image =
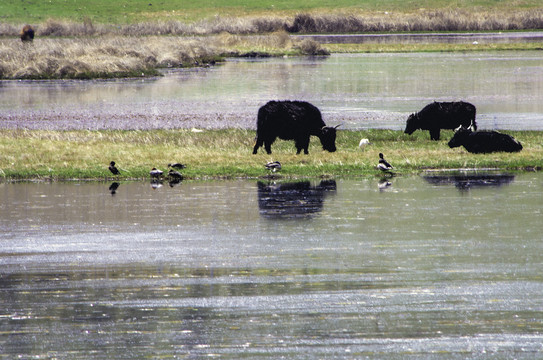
point(228, 154)
point(133, 11)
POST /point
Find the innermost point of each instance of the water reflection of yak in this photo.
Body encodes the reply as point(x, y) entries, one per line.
point(466, 182)
point(295, 200)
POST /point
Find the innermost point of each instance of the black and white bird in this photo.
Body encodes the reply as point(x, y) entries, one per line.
point(383, 164)
point(177, 166)
point(156, 173)
point(113, 169)
point(273, 166)
point(173, 174)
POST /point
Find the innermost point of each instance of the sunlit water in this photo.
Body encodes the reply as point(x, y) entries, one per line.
point(435, 266)
point(359, 91)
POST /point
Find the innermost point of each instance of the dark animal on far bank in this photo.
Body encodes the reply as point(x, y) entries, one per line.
point(442, 115)
point(479, 142)
point(27, 33)
point(292, 120)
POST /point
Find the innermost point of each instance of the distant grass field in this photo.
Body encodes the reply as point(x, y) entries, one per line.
point(133, 11)
point(59, 155)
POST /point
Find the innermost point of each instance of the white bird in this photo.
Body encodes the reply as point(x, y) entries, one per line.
point(274, 165)
point(363, 143)
point(383, 164)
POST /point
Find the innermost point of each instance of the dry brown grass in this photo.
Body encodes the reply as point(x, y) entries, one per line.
point(106, 56)
point(447, 19)
point(116, 56)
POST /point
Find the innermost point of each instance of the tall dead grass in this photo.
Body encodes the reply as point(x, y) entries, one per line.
point(450, 19)
point(100, 56)
point(121, 56)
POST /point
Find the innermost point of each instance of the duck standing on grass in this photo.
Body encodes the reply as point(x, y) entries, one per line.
point(113, 169)
point(177, 166)
point(384, 165)
point(176, 175)
point(273, 165)
point(155, 173)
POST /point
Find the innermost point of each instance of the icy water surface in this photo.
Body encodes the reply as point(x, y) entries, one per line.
point(359, 91)
point(436, 266)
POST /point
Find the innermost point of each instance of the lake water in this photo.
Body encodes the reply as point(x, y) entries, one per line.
point(425, 38)
point(436, 266)
point(359, 91)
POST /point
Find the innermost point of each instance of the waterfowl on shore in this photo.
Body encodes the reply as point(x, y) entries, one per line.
point(174, 174)
point(155, 173)
point(383, 164)
point(363, 143)
point(177, 166)
point(113, 169)
point(273, 165)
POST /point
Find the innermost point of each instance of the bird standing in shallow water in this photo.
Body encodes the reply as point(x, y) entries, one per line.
point(113, 169)
point(383, 164)
point(274, 165)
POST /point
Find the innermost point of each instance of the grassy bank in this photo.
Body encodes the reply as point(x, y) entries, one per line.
point(333, 20)
point(138, 11)
point(61, 155)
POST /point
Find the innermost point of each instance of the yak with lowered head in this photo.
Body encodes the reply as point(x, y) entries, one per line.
point(442, 115)
point(292, 120)
point(479, 142)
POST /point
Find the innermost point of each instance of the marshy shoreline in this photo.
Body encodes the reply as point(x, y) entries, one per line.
point(226, 154)
point(64, 49)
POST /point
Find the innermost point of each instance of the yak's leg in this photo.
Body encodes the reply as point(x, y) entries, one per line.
point(434, 134)
point(267, 146)
point(258, 144)
point(302, 144)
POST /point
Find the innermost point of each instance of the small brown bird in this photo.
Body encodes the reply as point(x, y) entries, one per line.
point(113, 169)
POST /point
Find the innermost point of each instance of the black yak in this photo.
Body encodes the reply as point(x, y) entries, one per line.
point(442, 115)
point(484, 141)
point(292, 120)
point(27, 33)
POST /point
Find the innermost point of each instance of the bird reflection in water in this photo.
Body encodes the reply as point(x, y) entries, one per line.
point(113, 188)
point(293, 200)
point(384, 184)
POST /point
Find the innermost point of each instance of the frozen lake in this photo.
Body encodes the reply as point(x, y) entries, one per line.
point(441, 266)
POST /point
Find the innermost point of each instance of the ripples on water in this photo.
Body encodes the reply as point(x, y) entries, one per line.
point(434, 266)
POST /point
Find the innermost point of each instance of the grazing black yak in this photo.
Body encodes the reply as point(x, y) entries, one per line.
point(442, 115)
point(484, 141)
point(292, 120)
point(27, 33)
